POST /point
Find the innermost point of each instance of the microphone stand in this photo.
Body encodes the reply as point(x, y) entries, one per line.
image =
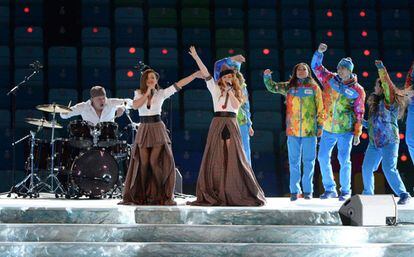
point(26, 79)
point(12, 93)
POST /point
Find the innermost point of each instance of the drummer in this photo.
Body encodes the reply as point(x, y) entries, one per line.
point(99, 108)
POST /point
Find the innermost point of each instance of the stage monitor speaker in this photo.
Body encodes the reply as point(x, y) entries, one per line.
point(369, 210)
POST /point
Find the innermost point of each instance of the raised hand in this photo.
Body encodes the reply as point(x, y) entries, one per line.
point(322, 47)
point(267, 72)
point(193, 52)
point(379, 64)
point(238, 58)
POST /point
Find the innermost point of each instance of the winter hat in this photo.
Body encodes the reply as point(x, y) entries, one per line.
point(347, 63)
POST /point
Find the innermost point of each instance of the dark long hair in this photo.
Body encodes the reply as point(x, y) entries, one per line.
point(293, 81)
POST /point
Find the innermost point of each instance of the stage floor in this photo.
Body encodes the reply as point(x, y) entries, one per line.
point(277, 211)
point(61, 227)
point(273, 203)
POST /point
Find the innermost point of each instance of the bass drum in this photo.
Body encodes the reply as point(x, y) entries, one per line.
point(94, 173)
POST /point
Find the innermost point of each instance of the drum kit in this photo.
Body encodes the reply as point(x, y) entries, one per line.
point(91, 162)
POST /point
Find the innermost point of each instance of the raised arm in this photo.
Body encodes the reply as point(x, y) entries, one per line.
point(169, 91)
point(320, 71)
point(274, 87)
point(185, 81)
point(201, 66)
point(386, 83)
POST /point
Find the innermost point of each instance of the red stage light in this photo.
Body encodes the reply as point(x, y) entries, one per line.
point(95, 30)
point(231, 51)
point(362, 13)
point(266, 51)
point(29, 29)
point(399, 75)
point(364, 33)
point(164, 51)
point(402, 136)
point(364, 135)
point(132, 50)
point(26, 9)
point(365, 74)
point(367, 52)
point(130, 74)
point(403, 158)
point(329, 13)
point(329, 33)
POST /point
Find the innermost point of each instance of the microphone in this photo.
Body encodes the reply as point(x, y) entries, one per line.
point(152, 92)
point(36, 65)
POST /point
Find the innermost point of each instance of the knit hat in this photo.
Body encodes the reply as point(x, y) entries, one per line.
point(97, 91)
point(347, 63)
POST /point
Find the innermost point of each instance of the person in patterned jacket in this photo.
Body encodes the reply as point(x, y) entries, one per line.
point(243, 116)
point(409, 131)
point(386, 105)
point(344, 101)
point(304, 119)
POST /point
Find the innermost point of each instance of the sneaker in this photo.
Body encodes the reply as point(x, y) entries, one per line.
point(307, 196)
point(294, 197)
point(344, 196)
point(404, 198)
point(328, 194)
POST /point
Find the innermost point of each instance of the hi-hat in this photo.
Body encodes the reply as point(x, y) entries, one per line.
point(56, 108)
point(42, 123)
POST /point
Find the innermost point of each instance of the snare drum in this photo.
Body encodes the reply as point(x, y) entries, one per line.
point(108, 134)
point(80, 134)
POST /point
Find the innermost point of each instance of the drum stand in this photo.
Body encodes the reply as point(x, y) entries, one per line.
point(35, 183)
point(55, 187)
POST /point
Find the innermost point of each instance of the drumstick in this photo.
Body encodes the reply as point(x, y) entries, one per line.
point(70, 102)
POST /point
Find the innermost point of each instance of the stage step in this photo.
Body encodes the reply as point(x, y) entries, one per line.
point(178, 215)
point(205, 233)
point(203, 249)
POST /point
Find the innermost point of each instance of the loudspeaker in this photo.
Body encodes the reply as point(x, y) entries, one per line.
point(178, 182)
point(369, 210)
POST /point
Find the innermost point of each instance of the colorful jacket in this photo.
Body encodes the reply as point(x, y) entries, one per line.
point(304, 106)
point(344, 101)
point(410, 82)
point(243, 116)
point(383, 125)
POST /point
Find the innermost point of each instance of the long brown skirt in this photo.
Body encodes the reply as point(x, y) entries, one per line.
point(158, 189)
point(235, 185)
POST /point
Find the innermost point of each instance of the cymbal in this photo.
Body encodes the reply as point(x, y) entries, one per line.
point(57, 108)
point(42, 122)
